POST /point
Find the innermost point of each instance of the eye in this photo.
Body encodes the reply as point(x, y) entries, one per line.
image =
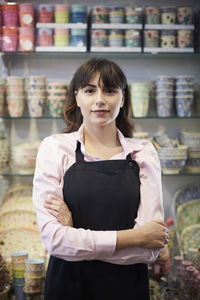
point(110, 91)
point(89, 91)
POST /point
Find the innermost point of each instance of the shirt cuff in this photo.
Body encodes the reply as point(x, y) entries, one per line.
point(105, 242)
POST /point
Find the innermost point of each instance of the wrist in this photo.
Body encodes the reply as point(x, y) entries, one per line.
point(128, 238)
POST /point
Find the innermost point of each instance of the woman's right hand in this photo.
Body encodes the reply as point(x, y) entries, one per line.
point(153, 234)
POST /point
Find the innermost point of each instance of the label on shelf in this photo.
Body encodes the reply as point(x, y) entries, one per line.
point(116, 49)
point(116, 26)
point(60, 49)
point(166, 27)
point(61, 25)
point(168, 50)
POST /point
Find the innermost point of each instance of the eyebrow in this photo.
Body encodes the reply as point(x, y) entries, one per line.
point(92, 85)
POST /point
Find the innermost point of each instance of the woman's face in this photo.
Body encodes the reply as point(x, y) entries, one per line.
point(99, 105)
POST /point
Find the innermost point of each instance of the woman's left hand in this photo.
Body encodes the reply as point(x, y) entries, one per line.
point(58, 208)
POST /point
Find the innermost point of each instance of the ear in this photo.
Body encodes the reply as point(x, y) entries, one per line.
point(123, 99)
point(76, 97)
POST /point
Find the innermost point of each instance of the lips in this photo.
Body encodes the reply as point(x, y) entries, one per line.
point(100, 111)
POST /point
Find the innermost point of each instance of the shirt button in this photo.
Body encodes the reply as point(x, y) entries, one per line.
point(130, 163)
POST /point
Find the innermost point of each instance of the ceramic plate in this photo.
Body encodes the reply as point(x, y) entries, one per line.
point(186, 193)
point(188, 214)
point(15, 240)
point(190, 238)
point(18, 219)
point(17, 190)
point(17, 203)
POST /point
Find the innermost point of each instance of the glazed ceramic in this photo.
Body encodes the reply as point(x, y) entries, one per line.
point(186, 193)
point(188, 214)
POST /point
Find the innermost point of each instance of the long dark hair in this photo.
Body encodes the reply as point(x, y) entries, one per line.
point(112, 77)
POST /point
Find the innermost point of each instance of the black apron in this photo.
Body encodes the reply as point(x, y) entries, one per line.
point(102, 195)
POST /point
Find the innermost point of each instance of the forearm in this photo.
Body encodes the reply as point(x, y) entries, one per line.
point(128, 238)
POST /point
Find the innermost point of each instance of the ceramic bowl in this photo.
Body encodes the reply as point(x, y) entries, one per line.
point(186, 193)
point(34, 264)
point(19, 257)
point(172, 159)
point(190, 139)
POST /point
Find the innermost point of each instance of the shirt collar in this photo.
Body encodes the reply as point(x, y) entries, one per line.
point(129, 145)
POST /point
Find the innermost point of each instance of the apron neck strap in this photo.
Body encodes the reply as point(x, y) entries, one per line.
point(128, 157)
point(79, 154)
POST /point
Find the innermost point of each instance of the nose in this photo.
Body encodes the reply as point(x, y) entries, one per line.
point(100, 100)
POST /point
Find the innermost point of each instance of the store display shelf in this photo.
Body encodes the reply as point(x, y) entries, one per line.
point(133, 118)
point(9, 174)
point(182, 174)
point(116, 26)
point(62, 25)
point(168, 27)
point(60, 49)
point(29, 117)
point(166, 118)
point(131, 54)
point(168, 50)
point(116, 49)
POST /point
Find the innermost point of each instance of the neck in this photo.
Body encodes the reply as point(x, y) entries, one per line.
point(106, 135)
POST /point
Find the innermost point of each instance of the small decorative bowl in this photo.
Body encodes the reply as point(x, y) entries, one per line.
point(172, 159)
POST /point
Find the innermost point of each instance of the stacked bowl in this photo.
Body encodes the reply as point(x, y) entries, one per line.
point(140, 96)
point(33, 277)
point(192, 141)
point(164, 95)
point(23, 157)
point(4, 153)
point(56, 98)
point(1, 97)
point(36, 95)
point(184, 95)
point(15, 95)
point(172, 159)
point(18, 264)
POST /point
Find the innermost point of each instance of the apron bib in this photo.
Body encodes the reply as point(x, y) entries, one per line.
point(101, 195)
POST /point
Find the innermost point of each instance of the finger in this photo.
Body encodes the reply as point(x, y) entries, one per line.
point(53, 212)
point(161, 222)
point(52, 206)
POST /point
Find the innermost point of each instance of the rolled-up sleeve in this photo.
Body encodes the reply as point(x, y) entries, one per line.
point(64, 242)
point(150, 208)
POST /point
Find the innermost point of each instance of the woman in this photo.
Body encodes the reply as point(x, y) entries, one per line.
point(110, 224)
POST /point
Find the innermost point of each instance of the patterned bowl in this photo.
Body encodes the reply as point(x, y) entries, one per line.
point(172, 159)
point(190, 139)
point(188, 214)
point(193, 160)
point(186, 193)
point(190, 238)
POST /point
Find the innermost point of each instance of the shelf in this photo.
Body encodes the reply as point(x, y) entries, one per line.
point(133, 118)
point(24, 175)
point(28, 117)
point(116, 49)
point(62, 25)
point(168, 27)
point(168, 50)
point(60, 49)
point(116, 26)
point(182, 174)
point(15, 174)
point(149, 52)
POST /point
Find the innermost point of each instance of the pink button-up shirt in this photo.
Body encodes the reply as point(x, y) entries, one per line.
point(56, 154)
